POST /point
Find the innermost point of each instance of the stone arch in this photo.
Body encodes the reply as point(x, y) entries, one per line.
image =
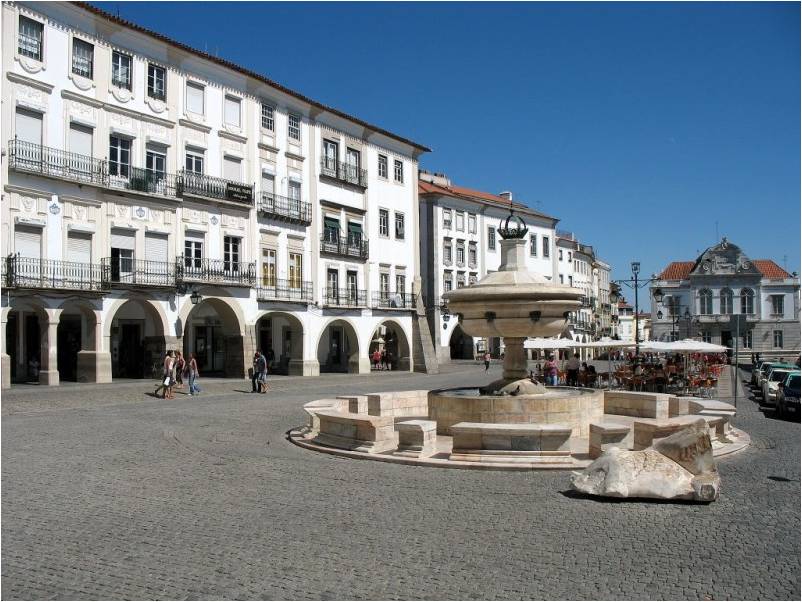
point(215, 330)
point(280, 337)
point(137, 336)
point(394, 341)
point(461, 344)
point(26, 337)
point(338, 348)
point(78, 340)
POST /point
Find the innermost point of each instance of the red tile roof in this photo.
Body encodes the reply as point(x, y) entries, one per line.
point(680, 270)
point(472, 194)
point(247, 72)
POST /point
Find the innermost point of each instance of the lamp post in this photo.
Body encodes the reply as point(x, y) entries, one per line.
point(636, 284)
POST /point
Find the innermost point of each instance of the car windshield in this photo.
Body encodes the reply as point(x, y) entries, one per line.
point(777, 375)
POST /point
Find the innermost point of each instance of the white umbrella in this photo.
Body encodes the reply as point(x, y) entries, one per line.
point(547, 343)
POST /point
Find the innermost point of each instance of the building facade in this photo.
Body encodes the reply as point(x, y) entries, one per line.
point(724, 294)
point(156, 197)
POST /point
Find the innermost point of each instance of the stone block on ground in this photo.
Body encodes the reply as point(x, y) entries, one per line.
point(417, 438)
point(356, 432)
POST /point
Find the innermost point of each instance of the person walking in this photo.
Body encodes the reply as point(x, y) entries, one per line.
point(263, 386)
point(572, 371)
point(487, 360)
point(180, 365)
point(192, 372)
point(551, 370)
point(162, 389)
point(384, 359)
point(258, 368)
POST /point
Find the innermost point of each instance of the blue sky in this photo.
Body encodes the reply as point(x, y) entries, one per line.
point(638, 125)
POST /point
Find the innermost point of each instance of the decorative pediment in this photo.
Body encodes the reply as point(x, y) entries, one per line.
point(724, 259)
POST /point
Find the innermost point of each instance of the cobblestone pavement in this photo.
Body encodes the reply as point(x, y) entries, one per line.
point(110, 493)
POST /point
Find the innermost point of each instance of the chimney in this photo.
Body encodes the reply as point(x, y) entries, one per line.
point(506, 195)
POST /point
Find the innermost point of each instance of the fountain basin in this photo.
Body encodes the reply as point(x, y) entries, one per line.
point(570, 406)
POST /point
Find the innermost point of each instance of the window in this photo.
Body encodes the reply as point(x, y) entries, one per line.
point(232, 111)
point(193, 251)
point(560, 254)
point(460, 221)
point(121, 70)
point(460, 279)
point(351, 281)
point(777, 305)
point(448, 282)
point(354, 234)
point(268, 119)
point(778, 339)
point(331, 229)
point(332, 282)
point(747, 339)
point(195, 100)
point(157, 82)
point(296, 270)
point(268, 267)
point(400, 283)
point(570, 280)
point(491, 238)
point(30, 38)
point(382, 166)
point(447, 257)
point(546, 247)
point(29, 126)
point(472, 255)
point(294, 192)
point(725, 299)
point(330, 155)
point(294, 126)
point(194, 161)
point(232, 169)
point(705, 302)
point(561, 279)
point(155, 163)
point(471, 223)
point(353, 161)
point(569, 255)
point(533, 245)
point(398, 171)
point(747, 301)
point(384, 222)
point(268, 184)
point(231, 254)
point(447, 218)
point(460, 253)
point(399, 225)
point(82, 58)
point(706, 338)
point(384, 284)
point(473, 278)
point(81, 142)
point(119, 156)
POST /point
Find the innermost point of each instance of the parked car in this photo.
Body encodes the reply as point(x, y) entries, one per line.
point(772, 382)
point(756, 372)
point(764, 373)
point(788, 395)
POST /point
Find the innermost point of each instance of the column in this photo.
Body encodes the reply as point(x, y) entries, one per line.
point(5, 366)
point(48, 371)
point(94, 364)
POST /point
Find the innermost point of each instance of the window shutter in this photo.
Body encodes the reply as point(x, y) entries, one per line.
point(29, 126)
point(28, 242)
point(195, 98)
point(231, 169)
point(80, 140)
point(156, 247)
point(232, 111)
point(79, 247)
point(122, 239)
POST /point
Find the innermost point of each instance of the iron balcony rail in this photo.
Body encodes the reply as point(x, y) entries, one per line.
point(344, 297)
point(31, 272)
point(344, 172)
point(121, 271)
point(145, 180)
point(351, 246)
point(285, 208)
point(215, 271)
point(386, 299)
point(276, 289)
point(27, 156)
point(215, 188)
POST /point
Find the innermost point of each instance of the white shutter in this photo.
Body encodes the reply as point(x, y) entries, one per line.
point(29, 126)
point(156, 247)
point(232, 110)
point(195, 98)
point(28, 242)
point(231, 169)
point(268, 183)
point(80, 140)
point(79, 247)
point(123, 239)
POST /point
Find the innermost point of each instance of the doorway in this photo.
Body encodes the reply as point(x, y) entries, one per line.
point(130, 361)
point(33, 342)
point(69, 344)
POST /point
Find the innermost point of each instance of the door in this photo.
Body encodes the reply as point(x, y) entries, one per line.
point(122, 255)
point(80, 161)
point(332, 284)
point(268, 268)
point(33, 347)
point(79, 252)
point(69, 344)
point(155, 269)
point(336, 349)
point(353, 293)
point(726, 340)
point(201, 348)
point(131, 359)
point(330, 155)
point(28, 242)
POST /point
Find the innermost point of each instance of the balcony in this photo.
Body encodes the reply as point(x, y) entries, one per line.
point(144, 180)
point(352, 247)
point(276, 289)
point(344, 172)
point(344, 297)
point(30, 272)
point(210, 187)
point(54, 163)
point(215, 271)
point(129, 273)
point(285, 209)
point(388, 300)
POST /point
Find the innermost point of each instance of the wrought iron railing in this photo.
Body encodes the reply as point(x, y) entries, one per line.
point(386, 299)
point(351, 246)
point(121, 271)
point(344, 297)
point(30, 272)
point(277, 289)
point(344, 172)
point(215, 271)
point(284, 208)
point(29, 46)
point(215, 188)
point(27, 156)
point(145, 180)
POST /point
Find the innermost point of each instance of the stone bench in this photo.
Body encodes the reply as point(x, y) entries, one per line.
point(479, 442)
point(319, 405)
point(639, 405)
point(356, 432)
point(399, 403)
point(416, 438)
point(604, 435)
point(357, 404)
point(646, 431)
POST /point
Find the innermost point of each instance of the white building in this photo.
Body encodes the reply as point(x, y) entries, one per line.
point(156, 197)
point(460, 245)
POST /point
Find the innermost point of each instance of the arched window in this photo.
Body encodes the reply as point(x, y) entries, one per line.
point(747, 301)
point(726, 301)
point(705, 302)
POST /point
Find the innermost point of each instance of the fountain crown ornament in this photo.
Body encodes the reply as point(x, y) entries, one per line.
point(507, 231)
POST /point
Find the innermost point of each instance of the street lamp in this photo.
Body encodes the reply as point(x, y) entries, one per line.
point(195, 297)
point(636, 284)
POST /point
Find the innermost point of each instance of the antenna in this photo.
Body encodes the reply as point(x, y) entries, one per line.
point(717, 238)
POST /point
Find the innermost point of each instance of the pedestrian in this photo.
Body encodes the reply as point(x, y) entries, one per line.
point(384, 359)
point(572, 371)
point(551, 370)
point(192, 367)
point(263, 386)
point(388, 359)
point(487, 360)
point(165, 382)
point(180, 365)
point(258, 368)
point(376, 357)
